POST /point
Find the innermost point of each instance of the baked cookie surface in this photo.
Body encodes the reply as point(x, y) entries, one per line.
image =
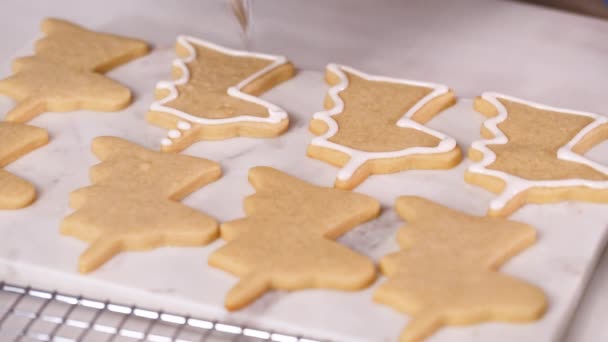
point(214, 92)
point(65, 72)
point(533, 153)
point(74, 46)
point(374, 125)
point(285, 240)
point(133, 202)
point(15, 141)
point(447, 270)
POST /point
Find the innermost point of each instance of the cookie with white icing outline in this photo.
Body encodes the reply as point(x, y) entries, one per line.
point(65, 72)
point(15, 141)
point(533, 153)
point(446, 272)
point(285, 240)
point(133, 202)
point(375, 125)
point(214, 95)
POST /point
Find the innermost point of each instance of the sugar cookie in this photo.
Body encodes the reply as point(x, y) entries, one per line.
point(15, 141)
point(73, 46)
point(40, 86)
point(214, 95)
point(532, 153)
point(374, 125)
point(132, 204)
point(63, 73)
point(446, 272)
point(284, 242)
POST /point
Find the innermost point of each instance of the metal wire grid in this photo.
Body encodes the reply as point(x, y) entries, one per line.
point(28, 315)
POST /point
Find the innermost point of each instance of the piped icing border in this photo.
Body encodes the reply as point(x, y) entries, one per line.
point(358, 157)
point(515, 185)
point(275, 113)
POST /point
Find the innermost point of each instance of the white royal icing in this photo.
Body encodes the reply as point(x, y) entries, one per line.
point(275, 113)
point(174, 134)
point(358, 157)
point(183, 125)
point(515, 185)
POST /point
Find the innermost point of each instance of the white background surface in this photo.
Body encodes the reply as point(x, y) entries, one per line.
point(472, 46)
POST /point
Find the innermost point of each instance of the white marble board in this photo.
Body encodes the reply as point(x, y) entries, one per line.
point(472, 47)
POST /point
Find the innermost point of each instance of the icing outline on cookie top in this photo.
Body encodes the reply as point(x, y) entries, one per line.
point(358, 157)
point(514, 184)
point(275, 113)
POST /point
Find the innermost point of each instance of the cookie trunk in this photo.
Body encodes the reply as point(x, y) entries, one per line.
point(248, 289)
point(15, 192)
point(98, 253)
point(420, 327)
point(26, 110)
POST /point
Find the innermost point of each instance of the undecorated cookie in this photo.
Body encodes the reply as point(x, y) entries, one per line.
point(214, 92)
point(447, 270)
point(40, 86)
point(374, 125)
point(71, 45)
point(133, 202)
point(285, 240)
point(15, 141)
point(533, 153)
point(64, 73)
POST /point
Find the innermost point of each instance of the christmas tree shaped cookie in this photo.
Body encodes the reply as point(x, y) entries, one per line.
point(375, 125)
point(214, 95)
point(78, 48)
point(15, 141)
point(64, 73)
point(532, 153)
point(285, 241)
point(446, 272)
point(133, 202)
point(40, 86)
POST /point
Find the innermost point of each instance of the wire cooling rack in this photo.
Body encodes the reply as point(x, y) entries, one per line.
point(28, 315)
